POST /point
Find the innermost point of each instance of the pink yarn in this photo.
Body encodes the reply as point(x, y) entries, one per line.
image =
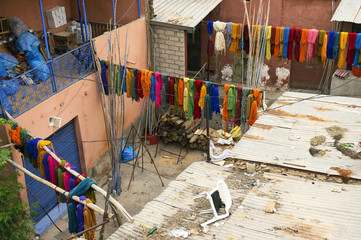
point(311, 39)
point(52, 164)
point(66, 177)
point(158, 89)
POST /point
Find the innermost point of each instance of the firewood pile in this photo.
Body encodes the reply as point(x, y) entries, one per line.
point(174, 127)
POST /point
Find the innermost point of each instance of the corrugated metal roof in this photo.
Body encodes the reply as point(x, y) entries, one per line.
point(185, 14)
point(306, 209)
point(348, 11)
point(178, 195)
point(282, 136)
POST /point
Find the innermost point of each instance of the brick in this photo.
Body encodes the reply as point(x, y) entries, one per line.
point(179, 44)
point(163, 55)
point(175, 39)
point(163, 46)
point(159, 30)
point(175, 48)
point(170, 52)
point(160, 41)
point(181, 59)
point(180, 34)
point(180, 53)
point(169, 33)
point(164, 64)
point(174, 57)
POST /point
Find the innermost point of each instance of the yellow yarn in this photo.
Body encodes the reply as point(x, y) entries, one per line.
point(41, 153)
point(343, 41)
point(268, 46)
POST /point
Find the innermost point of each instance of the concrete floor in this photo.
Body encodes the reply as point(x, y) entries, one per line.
point(144, 188)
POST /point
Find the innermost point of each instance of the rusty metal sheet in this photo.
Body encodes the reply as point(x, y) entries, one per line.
point(281, 136)
point(348, 11)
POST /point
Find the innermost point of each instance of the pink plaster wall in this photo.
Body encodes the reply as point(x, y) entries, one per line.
point(81, 101)
point(284, 13)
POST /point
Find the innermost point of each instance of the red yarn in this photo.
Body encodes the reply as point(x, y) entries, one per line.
point(138, 85)
point(297, 39)
point(77, 180)
point(197, 109)
point(351, 48)
point(290, 44)
point(170, 91)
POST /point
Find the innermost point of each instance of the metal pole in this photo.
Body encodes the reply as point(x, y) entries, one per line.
point(81, 22)
point(207, 124)
point(139, 8)
point(85, 22)
point(47, 47)
point(43, 208)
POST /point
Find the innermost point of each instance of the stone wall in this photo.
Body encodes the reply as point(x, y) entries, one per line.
point(169, 50)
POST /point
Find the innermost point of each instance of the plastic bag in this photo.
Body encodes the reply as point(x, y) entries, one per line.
point(8, 62)
point(128, 154)
point(17, 26)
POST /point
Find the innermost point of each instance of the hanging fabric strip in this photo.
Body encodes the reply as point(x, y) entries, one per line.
point(304, 36)
point(321, 37)
point(357, 52)
point(324, 49)
point(336, 45)
point(191, 92)
point(351, 48)
point(343, 42)
point(180, 92)
point(229, 33)
point(297, 38)
point(164, 91)
point(285, 42)
point(134, 85)
point(290, 43)
point(215, 100)
point(225, 103)
point(158, 88)
point(219, 43)
point(246, 38)
point(232, 99)
point(331, 40)
point(282, 34)
point(277, 42)
point(185, 94)
point(311, 39)
point(268, 44)
point(238, 106)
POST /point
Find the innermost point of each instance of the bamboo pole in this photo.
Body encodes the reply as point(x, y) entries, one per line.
point(121, 209)
point(59, 190)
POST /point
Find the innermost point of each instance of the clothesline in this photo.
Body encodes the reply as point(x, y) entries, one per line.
point(285, 42)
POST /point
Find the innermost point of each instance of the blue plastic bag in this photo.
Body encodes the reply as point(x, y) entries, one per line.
point(8, 63)
point(128, 154)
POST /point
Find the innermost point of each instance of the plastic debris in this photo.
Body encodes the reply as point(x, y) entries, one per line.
point(180, 232)
point(151, 231)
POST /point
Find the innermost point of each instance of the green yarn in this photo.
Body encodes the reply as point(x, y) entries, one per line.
point(62, 163)
point(90, 194)
point(61, 184)
point(245, 93)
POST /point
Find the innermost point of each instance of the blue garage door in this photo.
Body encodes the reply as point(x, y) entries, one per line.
point(65, 145)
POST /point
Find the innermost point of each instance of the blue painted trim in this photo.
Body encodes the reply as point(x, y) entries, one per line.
point(81, 22)
point(47, 46)
point(85, 22)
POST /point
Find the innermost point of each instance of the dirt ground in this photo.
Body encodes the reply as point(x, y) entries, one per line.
point(144, 188)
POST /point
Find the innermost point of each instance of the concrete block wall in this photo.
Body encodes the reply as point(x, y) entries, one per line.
point(169, 50)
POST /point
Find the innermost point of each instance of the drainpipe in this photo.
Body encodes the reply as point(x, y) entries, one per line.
point(85, 22)
point(81, 22)
point(139, 8)
point(47, 47)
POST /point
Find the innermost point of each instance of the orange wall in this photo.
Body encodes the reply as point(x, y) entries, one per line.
point(29, 12)
point(126, 10)
point(82, 101)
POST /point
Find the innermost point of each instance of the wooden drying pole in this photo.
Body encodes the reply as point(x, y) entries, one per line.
point(59, 190)
point(118, 206)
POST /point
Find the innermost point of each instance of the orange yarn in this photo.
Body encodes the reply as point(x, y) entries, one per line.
point(225, 103)
point(257, 94)
point(180, 92)
point(15, 136)
point(146, 82)
point(304, 36)
point(253, 114)
point(89, 221)
point(277, 42)
point(324, 49)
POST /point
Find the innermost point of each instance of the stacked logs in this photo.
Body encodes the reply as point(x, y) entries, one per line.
point(174, 127)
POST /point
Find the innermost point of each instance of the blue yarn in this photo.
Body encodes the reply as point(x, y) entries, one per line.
point(123, 77)
point(331, 39)
point(215, 100)
point(33, 151)
point(82, 187)
point(152, 88)
point(208, 99)
point(357, 52)
point(104, 76)
point(46, 167)
point(285, 41)
point(229, 33)
point(336, 45)
point(210, 27)
point(73, 222)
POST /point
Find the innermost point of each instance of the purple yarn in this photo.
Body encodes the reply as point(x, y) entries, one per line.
point(80, 214)
point(76, 170)
point(71, 184)
point(46, 167)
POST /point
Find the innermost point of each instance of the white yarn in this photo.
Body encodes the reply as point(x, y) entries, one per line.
point(227, 73)
point(219, 42)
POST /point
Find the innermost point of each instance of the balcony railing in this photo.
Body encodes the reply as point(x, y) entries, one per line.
point(50, 78)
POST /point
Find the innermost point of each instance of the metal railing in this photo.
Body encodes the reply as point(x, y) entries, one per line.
point(49, 78)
